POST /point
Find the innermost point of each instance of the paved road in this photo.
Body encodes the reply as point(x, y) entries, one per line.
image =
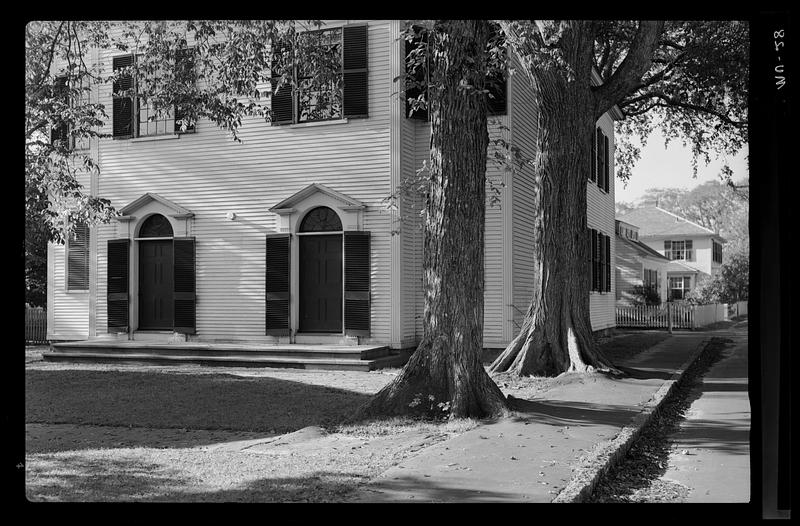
point(711, 453)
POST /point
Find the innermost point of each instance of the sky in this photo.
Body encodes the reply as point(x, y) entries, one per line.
point(672, 168)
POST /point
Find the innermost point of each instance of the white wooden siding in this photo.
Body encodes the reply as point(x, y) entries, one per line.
point(496, 304)
point(525, 131)
point(210, 175)
point(600, 216)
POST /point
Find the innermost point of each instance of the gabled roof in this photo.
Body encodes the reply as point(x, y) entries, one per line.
point(641, 248)
point(178, 211)
point(291, 201)
point(656, 222)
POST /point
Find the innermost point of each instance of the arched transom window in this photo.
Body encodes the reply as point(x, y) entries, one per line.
point(156, 226)
point(321, 219)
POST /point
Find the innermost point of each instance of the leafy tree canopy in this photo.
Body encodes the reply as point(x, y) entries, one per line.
point(695, 92)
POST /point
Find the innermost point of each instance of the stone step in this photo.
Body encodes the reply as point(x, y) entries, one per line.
point(222, 350)
point(345, 364)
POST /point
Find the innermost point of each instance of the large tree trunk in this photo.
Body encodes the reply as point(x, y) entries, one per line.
point(447, 366)
point(556, 335)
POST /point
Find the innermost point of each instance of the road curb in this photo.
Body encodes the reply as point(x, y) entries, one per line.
point(606, 455)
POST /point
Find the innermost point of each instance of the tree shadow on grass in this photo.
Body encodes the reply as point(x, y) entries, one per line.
point(258, 405)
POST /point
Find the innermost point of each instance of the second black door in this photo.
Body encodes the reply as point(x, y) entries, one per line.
point(321, 283)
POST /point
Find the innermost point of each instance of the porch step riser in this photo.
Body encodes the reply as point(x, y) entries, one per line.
point(292, 363)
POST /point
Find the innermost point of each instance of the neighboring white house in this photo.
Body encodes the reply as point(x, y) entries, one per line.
point(637, 265)
point(694, 252)
point(286, 237)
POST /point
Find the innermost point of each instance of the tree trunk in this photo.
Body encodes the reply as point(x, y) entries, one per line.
point(446, 367)
point(556, 334)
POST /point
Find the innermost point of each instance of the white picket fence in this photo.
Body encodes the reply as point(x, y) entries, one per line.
point(682, 315)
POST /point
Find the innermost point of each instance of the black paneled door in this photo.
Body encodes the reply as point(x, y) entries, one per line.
point(156, 285)
point(321, 283)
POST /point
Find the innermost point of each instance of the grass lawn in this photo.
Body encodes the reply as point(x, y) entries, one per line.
point(99, 432)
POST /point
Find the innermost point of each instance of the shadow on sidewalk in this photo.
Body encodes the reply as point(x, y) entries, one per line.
point(559, 413)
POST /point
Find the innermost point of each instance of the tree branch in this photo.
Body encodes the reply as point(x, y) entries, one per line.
point(630, 71)
point(51, 53)
point(670, 102)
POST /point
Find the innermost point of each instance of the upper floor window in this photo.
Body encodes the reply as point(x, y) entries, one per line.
point(331, 77)
point(679, 250)
point(78, 258)
point(135, 116)
point(600, 160)
point(716, 251)
point(71, 94)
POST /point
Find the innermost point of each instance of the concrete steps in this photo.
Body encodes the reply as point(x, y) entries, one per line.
point(325, 357)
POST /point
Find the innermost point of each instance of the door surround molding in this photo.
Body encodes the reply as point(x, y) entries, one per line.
point(129, 223)
point(291, 212)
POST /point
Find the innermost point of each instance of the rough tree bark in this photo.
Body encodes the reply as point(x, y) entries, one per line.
point(556, 335)
point(446, 366)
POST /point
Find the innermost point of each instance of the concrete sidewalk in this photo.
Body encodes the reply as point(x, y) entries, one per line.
point(556, 446)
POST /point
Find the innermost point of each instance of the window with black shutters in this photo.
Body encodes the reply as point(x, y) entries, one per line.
point(78, 258)
point(331, 74)
point(601, 161)
point(133, 116)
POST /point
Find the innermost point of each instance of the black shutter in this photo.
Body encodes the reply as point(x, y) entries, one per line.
point(184, 64)
point(117, 285)
point(606, 164)
point(185, 284)
point(667, 249)
point(122, 105)
point(277, 284)
point(595, 269)
point(355, 100)
point(78, 258)
point(282, 100)
point(608, 263)
point(60, 130)
point(415, 82)
point(601, 240)
point(689, 253)
point(593, 176)
point(497, 99)
point(599, 143)
point(589, 255)
point(356, 283)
